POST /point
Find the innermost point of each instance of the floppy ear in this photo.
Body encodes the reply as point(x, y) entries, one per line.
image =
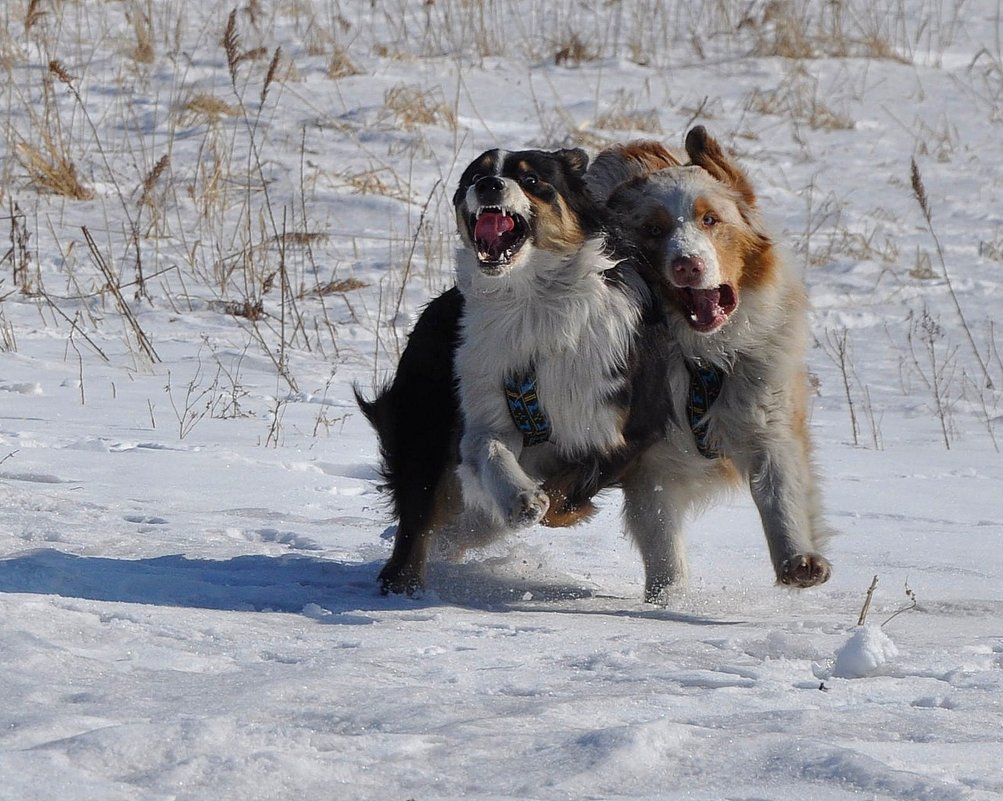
point(576, 158)
point(624, 198)
point(704, 151)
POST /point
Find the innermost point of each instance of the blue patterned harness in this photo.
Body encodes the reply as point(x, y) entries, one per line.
point(705, 386)
point(527, 412)
point(525, 407)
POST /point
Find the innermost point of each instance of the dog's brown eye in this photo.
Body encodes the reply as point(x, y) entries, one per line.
point(529, 180)
point(654, 230)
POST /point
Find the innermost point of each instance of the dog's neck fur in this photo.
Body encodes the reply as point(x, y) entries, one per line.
point(543, 308)
point(563, 318)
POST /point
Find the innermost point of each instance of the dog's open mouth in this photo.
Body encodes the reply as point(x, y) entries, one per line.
point(708, 309)
point(498, 234)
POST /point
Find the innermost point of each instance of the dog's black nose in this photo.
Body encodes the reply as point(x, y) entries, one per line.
point(490, 183)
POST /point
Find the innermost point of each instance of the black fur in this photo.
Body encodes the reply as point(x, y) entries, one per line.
point(417, 422)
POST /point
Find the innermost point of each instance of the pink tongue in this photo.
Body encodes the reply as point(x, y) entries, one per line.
point(491, 225)
point(706, 305)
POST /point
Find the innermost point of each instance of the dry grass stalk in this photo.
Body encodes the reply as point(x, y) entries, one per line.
point(414, 106)
point(150, 182)
point(33, 15)
point(369, 182)
point(231, 46)
point(340, 287)
point(50, 169)
point(867, 602)
point(18, 253)
point(797, 97)
point(270, 75)
point(573, 51)
point(56, 68)
point(623, 115)
point(211, 107)
point(112, 285)
point(300, 238)
point(143, 52)
point(919, 191)
point(248, 309)
point(992, 249)
point(341, 66)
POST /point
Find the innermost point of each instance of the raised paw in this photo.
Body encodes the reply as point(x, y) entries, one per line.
point(805, 570)
point(528, 509)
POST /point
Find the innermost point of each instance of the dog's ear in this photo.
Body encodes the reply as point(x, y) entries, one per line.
point(624, 197)
point(704, 151)
point(576, 158)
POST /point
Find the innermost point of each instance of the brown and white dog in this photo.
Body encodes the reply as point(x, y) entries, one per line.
point(737, 375)
point(557, 344)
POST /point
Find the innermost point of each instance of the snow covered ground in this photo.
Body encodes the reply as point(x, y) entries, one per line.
point(190, 525)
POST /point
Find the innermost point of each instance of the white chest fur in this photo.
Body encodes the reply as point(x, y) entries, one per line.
point(570, 326)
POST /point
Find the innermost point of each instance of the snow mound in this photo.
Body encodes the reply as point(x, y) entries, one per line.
point(864, 653)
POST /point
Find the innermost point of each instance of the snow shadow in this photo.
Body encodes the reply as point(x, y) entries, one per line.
point(287, 583)
point(324, 589)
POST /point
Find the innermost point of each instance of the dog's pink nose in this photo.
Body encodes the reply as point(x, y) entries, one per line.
point(687, 270)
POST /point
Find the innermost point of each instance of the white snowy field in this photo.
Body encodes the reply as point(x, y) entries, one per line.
point(209, 238)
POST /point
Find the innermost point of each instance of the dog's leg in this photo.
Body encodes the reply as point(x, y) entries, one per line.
point(404, 572)
point(653, 514)
point(492, 480)
point(784, 490)
point(422, 511)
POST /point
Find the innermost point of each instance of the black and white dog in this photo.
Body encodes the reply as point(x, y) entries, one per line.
point(535, 381)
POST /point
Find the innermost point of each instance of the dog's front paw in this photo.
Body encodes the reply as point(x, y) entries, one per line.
point(805, 570)
point(528, 509)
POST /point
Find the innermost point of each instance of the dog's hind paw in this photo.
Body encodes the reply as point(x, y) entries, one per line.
point(528, 509)
point(397, 580)
point(805, 570)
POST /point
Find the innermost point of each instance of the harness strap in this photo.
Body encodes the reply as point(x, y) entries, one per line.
point(705, 386)
point(525, 408)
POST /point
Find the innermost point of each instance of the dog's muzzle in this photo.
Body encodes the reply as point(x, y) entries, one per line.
point(497, 233)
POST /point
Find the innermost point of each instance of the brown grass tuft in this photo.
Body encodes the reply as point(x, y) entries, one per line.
point(50, 169)
point(248, 309)
point(797, 97)
point(341, 66)
point(573, 51)
point(624, 115)
point(143, 52)
point(340, 287)
point(210, 107)
point(414, 106)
